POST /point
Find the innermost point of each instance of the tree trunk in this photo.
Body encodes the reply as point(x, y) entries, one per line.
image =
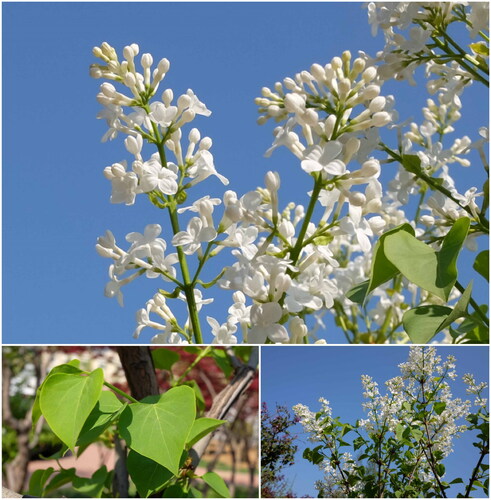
point(139, 370)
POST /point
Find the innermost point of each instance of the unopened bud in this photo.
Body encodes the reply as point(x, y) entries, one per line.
point(194, 136)
point(272, 181)
point(370, 168)
point(357, 199)
point(205, 143)
point(146, 60)
point(167, 96)
point(369, 74)
point(377, 104)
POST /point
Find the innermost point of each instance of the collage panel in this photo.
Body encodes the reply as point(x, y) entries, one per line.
point(130, 421)
point(221, 218)
point(375, 422)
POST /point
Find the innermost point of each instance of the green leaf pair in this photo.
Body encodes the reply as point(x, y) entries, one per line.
point(158, 430)
point(398, 251)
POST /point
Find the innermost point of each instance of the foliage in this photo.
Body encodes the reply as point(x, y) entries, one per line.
point(81, 407)
point(399, 451)
point(294, 263)
point(277, 451)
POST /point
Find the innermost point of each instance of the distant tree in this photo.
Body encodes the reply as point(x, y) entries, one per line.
point(277, 451)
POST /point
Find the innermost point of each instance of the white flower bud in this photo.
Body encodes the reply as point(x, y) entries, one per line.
point(329, 125)
point(194, 136)
point(427, 220)
point(146, 60)
point(377, 224)
point(183, 102)
point(318, 72)
point(377, 104)
point(370, 92)
point(358, 65)
point(380, 119)
point(336, 63)
point(350, 148)
point(97, 52)
point(344, 86)
point(205, 143)
point(167, 96)
point(129, 80)
point(262, 120)
point(370, 168)
point(188, 116)
point(357, 199)
point(163, 66)
point(298, 329)
point(108, 89)
point(134, 144)
point(272, 181)
point(369, 74)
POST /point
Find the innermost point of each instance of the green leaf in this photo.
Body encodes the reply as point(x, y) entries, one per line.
point(359, 292)
point(449, 252)
point(159, 431)
point(65, 476)
point(456, 480)
point(422, 323)
point(174, 491)
point(400, 428)
point(107, 409)
point(218, 485)
point(91, 486)
point(202, 427)
point(440, 469)
point(163, 358)
point(382, 268)
point(439, 407)
point(200, 400)
point(70, 367)
point(480, 48)
point(412, 163)
point(38, 480)
point(149, 476)
point(436, 272)
point(66, 401)
point(481, 264)
point(223, 362)
point(417, 434)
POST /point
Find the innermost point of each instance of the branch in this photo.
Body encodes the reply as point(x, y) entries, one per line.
point(225, 400)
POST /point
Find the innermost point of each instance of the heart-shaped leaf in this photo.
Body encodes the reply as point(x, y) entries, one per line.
point(66, 401)
point(149, 476)
point(202, 427)
point(105, 411)
point(159, 431)
point(70, 367)
point(163, 358)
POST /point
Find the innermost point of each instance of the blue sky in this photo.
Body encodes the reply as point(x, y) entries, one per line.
point(55, 198)
point(294, 375)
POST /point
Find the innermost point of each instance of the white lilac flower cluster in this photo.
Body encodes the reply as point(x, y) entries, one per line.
point(412, 33)
point(423, 379)
point(291, 262)
point(422, 384)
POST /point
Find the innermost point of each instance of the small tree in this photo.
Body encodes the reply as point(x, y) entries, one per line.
point(277, 451)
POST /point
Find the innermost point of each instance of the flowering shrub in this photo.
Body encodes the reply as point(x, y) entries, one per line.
point(400, 448)
point(294, 262)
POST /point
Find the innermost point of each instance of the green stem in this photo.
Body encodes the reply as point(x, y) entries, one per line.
point(200, 356)
point(188, 287)
point(310, 210)
point(120, 392)
point(466, 66)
